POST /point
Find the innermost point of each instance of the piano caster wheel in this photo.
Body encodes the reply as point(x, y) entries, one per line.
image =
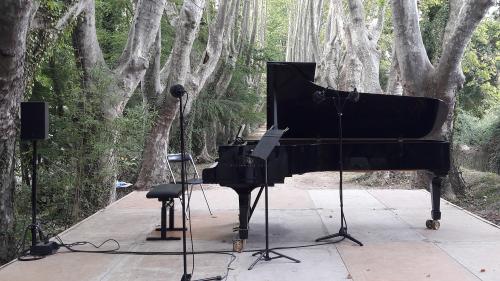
point(432, 224)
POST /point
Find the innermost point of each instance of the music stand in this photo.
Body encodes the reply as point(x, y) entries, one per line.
point(262, 152)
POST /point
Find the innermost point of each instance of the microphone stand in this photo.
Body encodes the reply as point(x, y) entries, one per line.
point(185, 276)
point(178, 91)
point(339, 106)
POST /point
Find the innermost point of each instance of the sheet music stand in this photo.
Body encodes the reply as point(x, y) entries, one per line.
point(262, 151)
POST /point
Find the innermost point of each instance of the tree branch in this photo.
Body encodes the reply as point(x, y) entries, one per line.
point(410, 51)
point(454, 11)
point(471, 14)
point(313, 31)
point(217, 31)
point(365, 49)
point(379, 25)
point(135, 56)
point(171, 13)
point(72, 13)
point(85, 40)
point(175, 69)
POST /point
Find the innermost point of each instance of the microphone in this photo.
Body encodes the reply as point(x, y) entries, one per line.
point(177, 91)
point(319, 96)
point(353, 96)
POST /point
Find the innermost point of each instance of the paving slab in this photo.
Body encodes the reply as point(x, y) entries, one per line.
point(322, 263)
point(406, 199)
point(481, 259)
point(353, 199)
point(376, 226)
point(285, 226)
point(402, 261)
point(456, 225)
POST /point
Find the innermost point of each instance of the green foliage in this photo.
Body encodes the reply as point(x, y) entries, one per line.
point(478, 115)
point(69, 173)
point(237, 106)
point(167, 34)
point(472, 130)
point(493, 145)
point(113, 19)
point(433, 23)
point(277, 29)
point(481, 67)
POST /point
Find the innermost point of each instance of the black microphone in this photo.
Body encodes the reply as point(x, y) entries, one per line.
point(353, 96)
point(319, 96)
point(177, 91)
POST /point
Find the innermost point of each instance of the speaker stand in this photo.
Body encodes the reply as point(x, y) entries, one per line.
point(42, 247)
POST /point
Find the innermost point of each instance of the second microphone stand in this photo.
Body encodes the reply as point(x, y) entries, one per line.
point(339, 103)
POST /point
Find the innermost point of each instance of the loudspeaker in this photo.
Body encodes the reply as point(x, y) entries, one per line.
point(34, 120)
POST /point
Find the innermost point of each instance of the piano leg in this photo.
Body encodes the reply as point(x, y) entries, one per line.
point(244, 201)
point(436, 208)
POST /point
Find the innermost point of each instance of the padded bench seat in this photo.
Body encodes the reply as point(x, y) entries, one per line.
point(165, 193)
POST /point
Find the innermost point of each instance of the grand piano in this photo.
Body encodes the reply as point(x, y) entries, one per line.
point(380, 132)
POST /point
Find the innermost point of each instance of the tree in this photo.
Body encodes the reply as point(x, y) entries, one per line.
point(344, 45)
point(179, 70)
point(122, 79)
point(419, 76)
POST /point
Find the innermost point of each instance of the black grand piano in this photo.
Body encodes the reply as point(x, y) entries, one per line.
point(380, 132)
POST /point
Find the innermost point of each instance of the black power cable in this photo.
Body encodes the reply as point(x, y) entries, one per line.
point(115, 251)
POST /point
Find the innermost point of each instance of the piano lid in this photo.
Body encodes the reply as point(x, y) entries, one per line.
point(290, 89)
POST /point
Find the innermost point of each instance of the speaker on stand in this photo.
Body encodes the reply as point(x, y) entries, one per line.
point(34, 127)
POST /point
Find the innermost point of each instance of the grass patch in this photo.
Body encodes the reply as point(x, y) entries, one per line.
point(483, 194)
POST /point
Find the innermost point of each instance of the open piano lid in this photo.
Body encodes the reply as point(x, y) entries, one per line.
point(374, 116)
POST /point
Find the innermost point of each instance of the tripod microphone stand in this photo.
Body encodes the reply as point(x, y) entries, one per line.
point(339, 103)
point(178, 91)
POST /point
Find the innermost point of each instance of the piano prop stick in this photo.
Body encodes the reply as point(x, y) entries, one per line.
point(261, 153)
point(339, 102)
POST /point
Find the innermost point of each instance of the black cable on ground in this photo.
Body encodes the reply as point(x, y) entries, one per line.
point(173, 253)
point(82, 243)
point(116, 251)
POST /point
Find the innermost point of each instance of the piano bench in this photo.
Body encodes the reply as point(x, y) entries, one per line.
point(165, 193)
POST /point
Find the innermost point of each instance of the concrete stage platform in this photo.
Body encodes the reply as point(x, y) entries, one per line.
point(391, 224)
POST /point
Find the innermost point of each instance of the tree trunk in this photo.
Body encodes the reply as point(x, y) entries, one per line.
point(153, 163)
point(14, 24)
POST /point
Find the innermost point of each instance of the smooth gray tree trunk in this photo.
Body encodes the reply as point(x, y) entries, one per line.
point(418, 76)
point(14, 24)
